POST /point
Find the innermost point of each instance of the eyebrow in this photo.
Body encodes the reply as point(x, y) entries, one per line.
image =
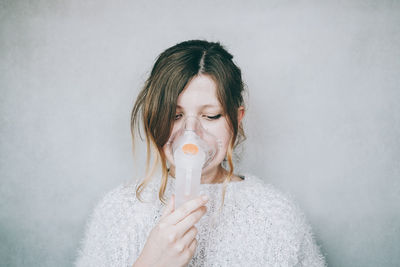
point(203, 106)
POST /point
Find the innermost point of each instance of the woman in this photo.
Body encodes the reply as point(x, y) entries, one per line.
point(241, 221)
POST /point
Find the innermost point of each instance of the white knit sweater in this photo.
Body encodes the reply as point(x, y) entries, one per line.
point(258, 226)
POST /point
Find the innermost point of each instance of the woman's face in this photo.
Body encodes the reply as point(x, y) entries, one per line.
point(199, 99)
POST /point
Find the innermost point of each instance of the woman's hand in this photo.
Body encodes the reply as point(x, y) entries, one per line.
point(172, 241)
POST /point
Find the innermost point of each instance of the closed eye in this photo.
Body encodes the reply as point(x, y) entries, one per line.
point(214, 117)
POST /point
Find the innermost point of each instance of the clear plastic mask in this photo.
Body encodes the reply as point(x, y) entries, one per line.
point(193, 138)
point(192, 148)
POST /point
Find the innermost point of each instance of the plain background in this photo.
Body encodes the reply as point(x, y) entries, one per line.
point(323, 118)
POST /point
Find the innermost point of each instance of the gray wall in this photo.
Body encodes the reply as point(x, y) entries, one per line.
point(323, 120)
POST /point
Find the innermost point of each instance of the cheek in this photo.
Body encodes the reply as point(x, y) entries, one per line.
point(177, 125)
point(168, 155)
point(222, 132)
point(167, 149)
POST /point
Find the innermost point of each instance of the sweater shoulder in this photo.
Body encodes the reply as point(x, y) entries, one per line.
point(125, 195)
point(117, 197)
point(120, 201)
point(277, 205)
point(265, 192)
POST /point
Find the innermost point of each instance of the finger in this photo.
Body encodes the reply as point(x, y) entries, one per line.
point(185, 210)
point(184, 225)
point(189, 236)
point(169, 208)
point(189, 252)
point(192, 246)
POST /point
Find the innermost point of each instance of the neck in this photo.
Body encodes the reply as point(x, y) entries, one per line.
point(214, 176)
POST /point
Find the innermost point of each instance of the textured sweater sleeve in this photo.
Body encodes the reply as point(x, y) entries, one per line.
point(105, 241)
point(309, 254)
point(93, 248)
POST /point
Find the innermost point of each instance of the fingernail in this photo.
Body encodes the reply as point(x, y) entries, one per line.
point(205, 197)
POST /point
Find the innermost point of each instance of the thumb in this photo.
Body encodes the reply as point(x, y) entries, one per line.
point(170, 207)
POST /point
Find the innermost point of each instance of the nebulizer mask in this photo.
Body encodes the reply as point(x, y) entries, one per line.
point(192, 148)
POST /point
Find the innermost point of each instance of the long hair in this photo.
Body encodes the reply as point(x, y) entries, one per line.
point(155, 106)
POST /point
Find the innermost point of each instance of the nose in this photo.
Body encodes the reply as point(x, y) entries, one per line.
point(191, 123)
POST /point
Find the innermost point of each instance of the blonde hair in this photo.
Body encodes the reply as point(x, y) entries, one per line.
point(155, 105)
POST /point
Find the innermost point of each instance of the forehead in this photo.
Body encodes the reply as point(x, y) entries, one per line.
point(201, 91)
